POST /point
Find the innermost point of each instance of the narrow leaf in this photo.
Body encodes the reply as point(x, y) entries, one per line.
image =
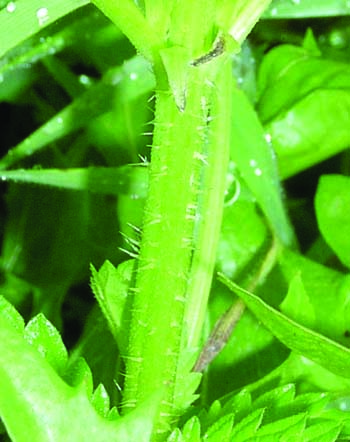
point(302, 340)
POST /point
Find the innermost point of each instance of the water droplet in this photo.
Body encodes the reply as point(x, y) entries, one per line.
point(85, 80)
point(337, 39)
point(258, 171)
point(252, 163)
point(295, 2)
point(274, 12)
point(11, 7)
point(59, 120)
point(133, 76)
point(1, 78)
point(42, 14)
point(268, 138)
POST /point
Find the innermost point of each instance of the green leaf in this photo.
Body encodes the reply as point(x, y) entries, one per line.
point(325, 431)
point(10, 315)
point(24, 18)
point(192, 430)
point(110, 286)
point(119, 85)
point(332, 204)
point(296, 305)
point(304, 341)
point(43, 336)
point(248, 426)
point(306, 8)
point(294, 87)
point(103, 180)
point(220, 430)
point(282, 430)
point(327, 291)
point(49, 408)
point(100, 400)
point(243, 233)
point(256, 163)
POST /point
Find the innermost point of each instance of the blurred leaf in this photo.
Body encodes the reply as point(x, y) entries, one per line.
point(23, 18)
point(332, 204)
point(243, 233)
point(300, 339)
point(256, 163)
point(306, 8)
point(118, 86)
point(104, 180)
point(295, 86)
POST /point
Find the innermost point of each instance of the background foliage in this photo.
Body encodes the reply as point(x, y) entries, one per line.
point(76, 118)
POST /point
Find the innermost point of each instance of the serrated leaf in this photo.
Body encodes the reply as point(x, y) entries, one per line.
point(191, 431)
point(79, 375)
point(281, 429)
point(332, 204)
point(10, 315)
point(110, 286)
point(314, 346)
point(325, 431)
point(43, 336)
point(274, 399)
point(175, 436)
point(240, 404)
point(221, 430)
point(100, 401)
point(49, 408)
point(248, 426)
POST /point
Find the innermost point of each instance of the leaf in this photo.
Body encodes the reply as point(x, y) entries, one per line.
point(51, 409)
point(243, 233)
point(220, 430)
point(103, 180)
point(328, 293)
point(23, 18)
point(295, 85)
point(110, 286)
point(314, 346)
point(306, 8)
point(332, 204)
point(117, 86)
point(256, 163)
point(325, 431)
point(282, 430)
point(10, 315)
point(192, 430)
point(248, 426)
point(296, 305)
point(43, 336)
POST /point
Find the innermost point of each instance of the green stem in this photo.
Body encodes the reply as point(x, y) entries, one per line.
point(167, 245)
point(129, 18)
point(211, 210)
